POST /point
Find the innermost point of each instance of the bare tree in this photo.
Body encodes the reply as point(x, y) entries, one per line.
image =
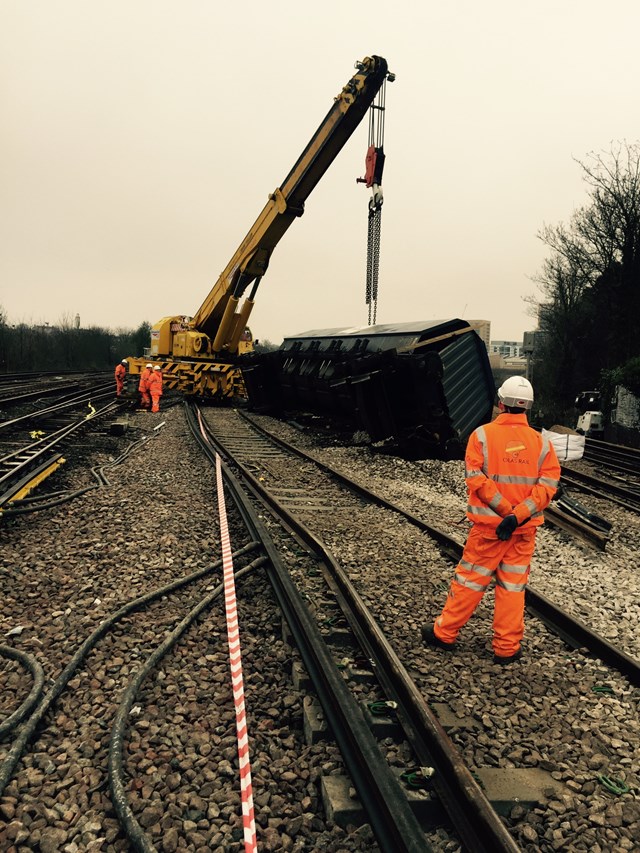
point(590, 283)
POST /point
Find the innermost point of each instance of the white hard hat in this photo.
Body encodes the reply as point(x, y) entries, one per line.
point(124, 360)
point(516, 392)
point(157, 367)
point(149, 365)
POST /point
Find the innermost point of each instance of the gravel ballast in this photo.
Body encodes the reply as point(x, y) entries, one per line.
point(66, 569)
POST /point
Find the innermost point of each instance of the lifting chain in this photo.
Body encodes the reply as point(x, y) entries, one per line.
point(373, 261)
point(374, 164)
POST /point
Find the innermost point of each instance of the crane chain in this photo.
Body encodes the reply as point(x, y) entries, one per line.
point(369, 262)
point(373, 261)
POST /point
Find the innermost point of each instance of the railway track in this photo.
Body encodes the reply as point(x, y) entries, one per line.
point(21, 388)
point(246, 446)
point(254, 452)
point(175, 743)
point(387, 806)
point(157, 607)
point(614, 457)
point(30, 456)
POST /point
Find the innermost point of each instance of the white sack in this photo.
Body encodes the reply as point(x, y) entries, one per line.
point(567, 446)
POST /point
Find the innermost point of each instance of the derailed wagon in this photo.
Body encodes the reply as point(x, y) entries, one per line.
point(418, 389)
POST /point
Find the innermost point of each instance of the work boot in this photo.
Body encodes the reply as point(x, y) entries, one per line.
point(429, 639)
point(503, 661)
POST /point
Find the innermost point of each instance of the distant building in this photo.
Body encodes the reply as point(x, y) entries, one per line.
point(483, 329)
point(508, 358)
point(507, 349)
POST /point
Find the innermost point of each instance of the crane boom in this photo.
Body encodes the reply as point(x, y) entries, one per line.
point(192, 350)
point(286, 203)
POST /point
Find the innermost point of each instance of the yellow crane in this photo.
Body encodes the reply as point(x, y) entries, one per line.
point(199, 355)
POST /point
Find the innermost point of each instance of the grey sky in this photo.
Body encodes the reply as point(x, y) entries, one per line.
point(139, 140)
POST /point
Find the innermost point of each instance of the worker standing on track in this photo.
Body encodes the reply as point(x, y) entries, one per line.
point(155, 388)
point(120, 373)
point(143, 387)
point(512, 473)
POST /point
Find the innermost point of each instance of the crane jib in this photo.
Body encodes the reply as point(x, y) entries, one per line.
point(286, 203)
point(217, 330)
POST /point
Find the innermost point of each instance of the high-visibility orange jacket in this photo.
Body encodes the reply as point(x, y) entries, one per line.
point(154, 383)
point(120, 372)
point(510, 468)
point(144, 379)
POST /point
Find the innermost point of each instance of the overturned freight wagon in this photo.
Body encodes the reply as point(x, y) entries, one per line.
point(415, 388)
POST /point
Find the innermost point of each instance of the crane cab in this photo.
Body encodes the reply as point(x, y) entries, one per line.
point(245, 344)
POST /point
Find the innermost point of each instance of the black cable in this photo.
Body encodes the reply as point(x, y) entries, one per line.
point(10, 761)
point(130, 825)
point(30, 663)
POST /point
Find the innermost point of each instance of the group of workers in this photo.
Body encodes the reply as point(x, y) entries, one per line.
point(150, 386)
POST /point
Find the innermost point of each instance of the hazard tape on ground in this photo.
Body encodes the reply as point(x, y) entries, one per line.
point(235, 659)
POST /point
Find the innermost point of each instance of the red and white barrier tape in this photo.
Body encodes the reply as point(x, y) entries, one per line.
point(235, 658)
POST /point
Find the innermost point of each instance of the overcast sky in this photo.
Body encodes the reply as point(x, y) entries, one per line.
point(139, 140)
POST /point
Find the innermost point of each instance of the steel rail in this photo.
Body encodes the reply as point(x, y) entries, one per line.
point(575, 632)
point(564, 521)
point(27, 463)
point(469, 811)
point(603, 489)
point(86, 396)
point(7, 378)
point(392, 820)
point(608, 447)
point(34, 395)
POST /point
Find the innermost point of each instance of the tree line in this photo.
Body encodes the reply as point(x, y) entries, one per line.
point(66, 346)
point(589, 311)
point(37, 347)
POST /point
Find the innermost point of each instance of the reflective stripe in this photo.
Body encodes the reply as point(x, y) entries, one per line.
point(482, 438)
point(496, 500)
point(544, 451)
point(511, 587)
point(514, 570)
point(478, 587)
point(547, 481)
point(481, 570)
point(531, 505)
point(473, 473)
point(481, 510)
point(505, 478)
point(474, 567)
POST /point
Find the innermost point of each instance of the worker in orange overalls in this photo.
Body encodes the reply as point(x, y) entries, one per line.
point(155, 388)
point(120, 373)
point(512, 473)
point(143, 387)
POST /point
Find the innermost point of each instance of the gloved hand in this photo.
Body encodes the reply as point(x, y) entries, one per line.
point(506, 527)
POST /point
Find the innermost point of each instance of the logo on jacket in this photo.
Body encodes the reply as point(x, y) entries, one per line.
point(513, 449)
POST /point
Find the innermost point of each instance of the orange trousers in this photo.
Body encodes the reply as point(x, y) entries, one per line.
point(485, 557)
point(119, 386)
point(145, 399)
point(155, 398)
